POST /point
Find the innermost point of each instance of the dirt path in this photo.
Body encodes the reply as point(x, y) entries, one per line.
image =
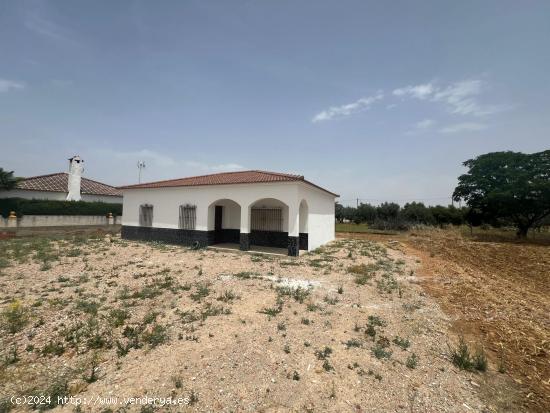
point(497, 294)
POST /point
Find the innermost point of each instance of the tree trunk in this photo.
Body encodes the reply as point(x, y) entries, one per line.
point(522, 232)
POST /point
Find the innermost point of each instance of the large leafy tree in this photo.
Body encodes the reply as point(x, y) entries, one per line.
point(7, 180)
point(508, 186)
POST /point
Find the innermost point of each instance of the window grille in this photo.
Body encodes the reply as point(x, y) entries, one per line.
point(146, 215)
point(188, 216)
point(267, 219)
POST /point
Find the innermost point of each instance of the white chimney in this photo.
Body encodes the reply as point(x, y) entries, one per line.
point(76, 167)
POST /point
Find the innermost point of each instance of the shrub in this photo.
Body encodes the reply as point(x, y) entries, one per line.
point(14, 317)
point(462, 358)
point(117, 317)
point(412, 361)
point(156, 336)
point(380, 352)
point(47, 207)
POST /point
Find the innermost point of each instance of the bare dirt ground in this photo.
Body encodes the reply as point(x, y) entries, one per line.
point(496, 292)
point(345, 328)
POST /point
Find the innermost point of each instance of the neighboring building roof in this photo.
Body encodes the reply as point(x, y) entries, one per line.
point(226, 178)
point(59, 183)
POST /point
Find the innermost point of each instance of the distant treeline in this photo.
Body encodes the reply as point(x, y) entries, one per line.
point(47, 207)
point(391, 216)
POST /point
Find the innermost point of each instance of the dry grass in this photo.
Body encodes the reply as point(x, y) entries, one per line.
point(227, 331)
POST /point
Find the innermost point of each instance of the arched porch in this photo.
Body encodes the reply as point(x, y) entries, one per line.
point(224, 221)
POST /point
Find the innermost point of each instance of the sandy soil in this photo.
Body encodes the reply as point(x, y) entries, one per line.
point(226, 331)
point(496, 292)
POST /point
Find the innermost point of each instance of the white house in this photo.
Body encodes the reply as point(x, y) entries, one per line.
point(65, 186)
point(246, 208)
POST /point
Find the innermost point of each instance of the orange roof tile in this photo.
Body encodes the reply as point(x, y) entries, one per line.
point(59, 182)
point(226, 178)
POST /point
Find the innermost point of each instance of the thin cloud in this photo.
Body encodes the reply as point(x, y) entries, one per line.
point(464, 127)
point(339, 112)
point(421, 126)
point(8, 85)
point(224, 167)
point(419, 92)
point(460, 98)
point(38, 21)
point(425, 124)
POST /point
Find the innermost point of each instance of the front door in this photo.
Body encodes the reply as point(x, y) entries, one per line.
point(218, 214)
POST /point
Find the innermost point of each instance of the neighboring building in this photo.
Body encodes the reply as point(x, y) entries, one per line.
point(247, 208)
point(56, 187)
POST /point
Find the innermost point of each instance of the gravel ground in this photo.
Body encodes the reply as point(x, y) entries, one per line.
point(344, 328)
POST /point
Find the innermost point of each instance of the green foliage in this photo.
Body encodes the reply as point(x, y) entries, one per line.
point(47, 207)
point(508, 187)
point(7, 180)
point(156, 336)
point(463, 359)
point(404, 343)
point(390, 216)
point(412, 361)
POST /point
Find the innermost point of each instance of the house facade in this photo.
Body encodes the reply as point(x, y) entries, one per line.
point(248, 208)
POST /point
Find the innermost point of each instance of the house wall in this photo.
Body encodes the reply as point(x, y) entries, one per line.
point(320, 220)
point(57, 196)
point(166, 202)
point(30, 221)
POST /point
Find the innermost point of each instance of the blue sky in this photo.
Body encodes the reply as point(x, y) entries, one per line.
point(376, 100)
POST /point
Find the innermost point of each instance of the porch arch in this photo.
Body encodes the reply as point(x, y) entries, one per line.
point(269, 223)
point(224, 221)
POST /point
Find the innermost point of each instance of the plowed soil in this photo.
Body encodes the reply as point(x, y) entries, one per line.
point(497, 294)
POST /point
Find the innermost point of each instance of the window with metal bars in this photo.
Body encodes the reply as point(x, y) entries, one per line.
point(146, 215)
point(188, 216)
point(266, 219)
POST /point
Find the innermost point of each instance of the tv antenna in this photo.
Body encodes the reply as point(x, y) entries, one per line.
point(141, 166)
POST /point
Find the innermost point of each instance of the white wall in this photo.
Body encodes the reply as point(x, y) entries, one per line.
point(57, 196)
point(59, 221)
point(166, 202)
point(21, 193)
point(102, 198)
point(321, 223)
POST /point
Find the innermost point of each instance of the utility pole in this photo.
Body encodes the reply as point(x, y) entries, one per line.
point(141, 166)
point(357, 202)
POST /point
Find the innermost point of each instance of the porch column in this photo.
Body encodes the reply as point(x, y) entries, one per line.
point(293, 230)
point(244, 237)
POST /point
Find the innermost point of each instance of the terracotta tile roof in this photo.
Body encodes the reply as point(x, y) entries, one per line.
point(226, 178)
point(59, 183)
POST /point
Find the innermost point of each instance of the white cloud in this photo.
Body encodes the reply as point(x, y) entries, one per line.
point(460, 97)
point(419, 92)
point(463, 127)
point(425, 124)
point(7, 85)
point(224, 167)
point(338, 112)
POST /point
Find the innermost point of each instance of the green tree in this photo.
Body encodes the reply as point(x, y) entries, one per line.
point(7, 180)
point(417, 213)
point(509, 186)
point(350, 214)
point(339, 212)
point(388, 211)
point(366, 213)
